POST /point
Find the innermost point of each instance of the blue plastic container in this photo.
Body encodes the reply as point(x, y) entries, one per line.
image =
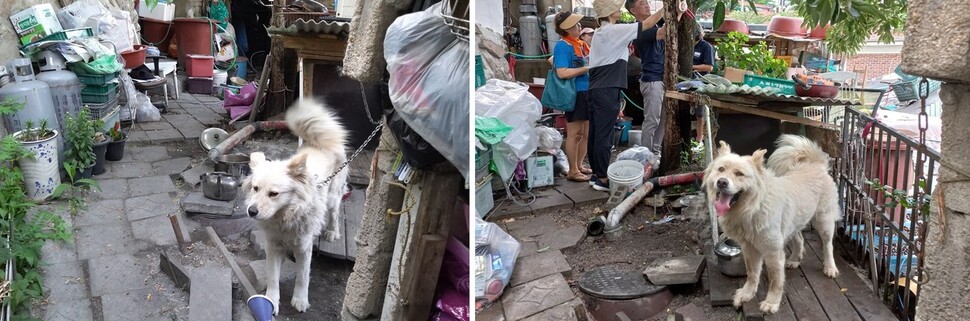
point(627, 124)
point(241, 68)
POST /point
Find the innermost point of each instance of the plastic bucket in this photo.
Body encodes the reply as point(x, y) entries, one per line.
point(194, 36)
point(625, 173)
point(156, 32)
point(219, 77)
point(627, 124)
point(241, 64)
point(134, 57)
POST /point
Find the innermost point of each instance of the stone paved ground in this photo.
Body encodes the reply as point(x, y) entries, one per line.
point(111, 269)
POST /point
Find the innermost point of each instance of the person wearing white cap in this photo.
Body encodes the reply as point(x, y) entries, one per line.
point(586, 35)
point(570, 60)
point(607, 76)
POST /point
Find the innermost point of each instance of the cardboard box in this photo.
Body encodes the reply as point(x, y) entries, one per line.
point(162, 11)
point(35, 23)
point(735, 75)
point(539, 170)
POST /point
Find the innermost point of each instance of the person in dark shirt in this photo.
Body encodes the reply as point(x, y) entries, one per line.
point(703, 64)
point(650, 46)
point(607, 75)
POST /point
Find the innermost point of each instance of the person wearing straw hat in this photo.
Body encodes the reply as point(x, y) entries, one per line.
point(607, 76)
point(570, 60)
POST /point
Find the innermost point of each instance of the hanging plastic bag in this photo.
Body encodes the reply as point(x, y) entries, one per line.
point(515, 106)
point(128, 89)
point(417, 152)
point(426, 61)
point(490, 130)
point(495, 254)
point(550, 140)
point(145, 111)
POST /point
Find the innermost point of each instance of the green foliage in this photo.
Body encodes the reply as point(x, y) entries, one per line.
point(30, 230)
point(751, 17)
point(757, 58)
point(33, 134)
point(695, 155)
point(853, 21)
point(720, 7)
point(80, 132)
point(75, 188)
point(626, 17)
point(116, 134)
point(919, 202)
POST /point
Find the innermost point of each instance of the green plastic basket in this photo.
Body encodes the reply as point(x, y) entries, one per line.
point(99, 89)
point(787, 86)
point(97, 80)
point(99, 98)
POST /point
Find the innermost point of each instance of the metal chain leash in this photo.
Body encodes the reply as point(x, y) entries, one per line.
point(921, 275)
point(363, 97)
point(373, 133)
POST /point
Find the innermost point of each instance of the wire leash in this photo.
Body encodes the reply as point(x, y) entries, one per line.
point(354, 156)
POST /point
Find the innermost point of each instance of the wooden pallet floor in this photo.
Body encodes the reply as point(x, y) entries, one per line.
point(810, 295)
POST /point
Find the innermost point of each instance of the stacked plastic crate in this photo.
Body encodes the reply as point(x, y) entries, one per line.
point(100, 95)
point(200, 69)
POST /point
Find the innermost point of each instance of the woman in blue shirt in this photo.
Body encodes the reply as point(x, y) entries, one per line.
point(569, 57)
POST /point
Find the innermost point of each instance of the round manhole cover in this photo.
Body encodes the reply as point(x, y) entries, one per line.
point(612, 282)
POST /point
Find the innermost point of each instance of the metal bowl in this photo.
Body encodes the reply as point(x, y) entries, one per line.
point(730, 260)
point(585, 11)
point(235, 164)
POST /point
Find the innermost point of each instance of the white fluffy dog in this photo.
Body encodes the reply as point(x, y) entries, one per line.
point(764, 208)
point(290, 201)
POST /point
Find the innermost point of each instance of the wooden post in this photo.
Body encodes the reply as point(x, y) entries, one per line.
point(672, 140)
point(422, 237)
point(276, 94)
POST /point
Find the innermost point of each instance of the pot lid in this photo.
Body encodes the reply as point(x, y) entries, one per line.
point(727, 248)
point(211, 138)
point(613, 282)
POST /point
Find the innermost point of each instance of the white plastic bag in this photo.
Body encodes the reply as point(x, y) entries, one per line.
point(76, 14)
point(561, 162)
point(128, 87)
point(515, 106)
point(144, 110)
point(495, 255)
point(640, 154)
point(550, 139)
point(428, 66)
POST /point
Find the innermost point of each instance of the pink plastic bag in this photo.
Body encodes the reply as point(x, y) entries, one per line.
point(453, 284)
point(245, 97)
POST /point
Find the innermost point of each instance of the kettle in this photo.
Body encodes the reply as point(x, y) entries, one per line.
point(220, 186)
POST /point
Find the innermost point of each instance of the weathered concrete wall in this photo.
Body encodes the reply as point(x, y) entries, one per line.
point(946, 295)
point(491, 45)
point(937, 43)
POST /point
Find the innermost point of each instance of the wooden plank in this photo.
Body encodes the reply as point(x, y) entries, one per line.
point(802, 298)
point(754, 111)
point(828, 139)
point(722, 286)
point(829, 294)
point(861, 296)
point(784, 313)
point(247, 286)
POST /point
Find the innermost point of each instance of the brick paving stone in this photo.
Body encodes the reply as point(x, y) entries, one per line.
point(210, 298)
point(537, 266)
point(102, 212)
point(65, 281)
point(527, 248)
point(100, 240)
point(130, 169)
point(536, 296)
point(562, 312)
point(192, 132)
point(111, 188)
point(138, 136)
point(148, 185)
point(288, 272)
point(69, 310)
point(135, 305)
point(155, 125)
point(178, 119)
point(172, 166)
point(562, 239)
point(495, 312)
point(675, 270)
point(157, 230)
point(59, 252)
point(191, 176)
point(530, 228)
point(166, 135)
point(147, 206)
point(117, 274)
point(148, 153)
point(551, 201)
point(196, 202)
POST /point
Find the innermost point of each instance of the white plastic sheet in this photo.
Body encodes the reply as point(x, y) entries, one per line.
point(496, 261)
point(515, 106)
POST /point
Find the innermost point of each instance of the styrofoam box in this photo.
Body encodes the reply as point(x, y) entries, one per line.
point(162, 11)
point(35, 23)
point(483, 197)
point(539, 170)
point(346, 8)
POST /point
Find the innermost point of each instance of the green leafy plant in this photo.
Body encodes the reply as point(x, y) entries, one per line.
point(80, 133)
point(75, 187)
point(900, 197)
point(116, 134)
point(854, 21)
point(23, 228)
point(758, 58)
point(32, 134)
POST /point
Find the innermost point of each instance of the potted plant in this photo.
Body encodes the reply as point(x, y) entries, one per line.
point(100, 146)
point(40, 172)
point(79, 132)
point(739, 58)
point(116, 148)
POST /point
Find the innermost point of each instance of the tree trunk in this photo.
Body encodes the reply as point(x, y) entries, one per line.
point(276, 95)
point(669, 156)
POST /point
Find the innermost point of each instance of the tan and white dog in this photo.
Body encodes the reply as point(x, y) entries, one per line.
point(290, 201)
point(763, 208)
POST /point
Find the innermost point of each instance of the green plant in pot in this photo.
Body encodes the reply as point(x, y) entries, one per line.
point(757, 59)
point(79, 132)
point(116, 148)
point(101, 142)
point(40, 170)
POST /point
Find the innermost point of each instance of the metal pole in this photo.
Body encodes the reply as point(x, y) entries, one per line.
point(709, 151)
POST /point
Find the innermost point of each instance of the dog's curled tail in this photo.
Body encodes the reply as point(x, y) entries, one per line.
point(316, 124)
point(796, 150)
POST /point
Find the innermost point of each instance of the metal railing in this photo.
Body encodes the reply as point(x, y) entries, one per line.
point(885, 181)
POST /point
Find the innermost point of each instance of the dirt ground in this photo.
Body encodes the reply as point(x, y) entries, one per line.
point(641, 243)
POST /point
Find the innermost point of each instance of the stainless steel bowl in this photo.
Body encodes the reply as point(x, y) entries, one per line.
point(730, 260)
point(235, 164)
point(586, 11)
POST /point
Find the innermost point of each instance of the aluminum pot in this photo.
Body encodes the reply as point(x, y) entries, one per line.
point(235, 164)
point(730, 260)
point(220, 186)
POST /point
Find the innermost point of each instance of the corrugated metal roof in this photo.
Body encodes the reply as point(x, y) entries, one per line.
point(332, 27)
point(815, 101)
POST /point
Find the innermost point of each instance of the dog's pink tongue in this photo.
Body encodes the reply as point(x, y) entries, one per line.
point(723, 204)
